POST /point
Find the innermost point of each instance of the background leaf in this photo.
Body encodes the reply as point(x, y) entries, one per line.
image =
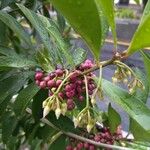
point(146, 58)
point(76, 13)
point(135, 108)
point(141, 36)
point(24, 98)
point(15, 27)
point(107, 8)
point(114, 119)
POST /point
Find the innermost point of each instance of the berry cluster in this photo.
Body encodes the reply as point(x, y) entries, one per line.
point(72, 89)
point(104, 136)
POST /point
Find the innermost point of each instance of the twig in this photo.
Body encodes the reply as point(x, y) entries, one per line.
point(75, 136)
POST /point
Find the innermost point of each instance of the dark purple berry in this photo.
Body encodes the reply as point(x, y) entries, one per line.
point(68, 88)
point(61, 95)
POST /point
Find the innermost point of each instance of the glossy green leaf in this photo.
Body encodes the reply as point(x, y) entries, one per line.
point(11, 85)
point(142, 94)
point(141, 37)
point(15, 27)
point(79, 55)
point(3, 35)
point(24, 98)
point(84, 18)
point(8, 125)
point(146, 58)
point(10, 59)
point(135, 108)
point(63, 123)
point(55, 34)
point(38, 25)
point(5, 3)
point(37, 110)
point(107, 8)
point(114, 119)
point(138, 131)
point(59, 142)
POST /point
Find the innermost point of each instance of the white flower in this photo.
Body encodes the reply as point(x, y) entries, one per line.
point(89, 127)
point(46, 111)
point(57, 113)
point(44, 104)
point(76, 122)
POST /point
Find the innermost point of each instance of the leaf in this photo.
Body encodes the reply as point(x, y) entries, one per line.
point(79, 55)
point(10, 59)
point(107, 8)
point(138, 131)
point(57, 37)
point(24, 98)
point(141, 36)
point(11, 85)
point(76, 13)
point(42, 57)
point(146, 59)
point(59, 142)
point(3, 35)
point(38, 99)
point(114, 119)
point(5, 3)
point(38, 25)
point(15, 27)
point(63, 123)
point(135, 108)
point(142, 94)
point(8, 125)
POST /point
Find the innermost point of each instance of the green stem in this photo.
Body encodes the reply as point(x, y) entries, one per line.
point(87, 94)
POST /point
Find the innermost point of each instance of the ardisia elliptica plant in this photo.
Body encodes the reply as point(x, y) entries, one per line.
point(50, 90)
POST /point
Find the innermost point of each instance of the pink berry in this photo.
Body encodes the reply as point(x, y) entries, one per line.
point(51, 83)
point(70, 94)
point(90, 92)
point(69, 147)
point(71, 106)
point(47, 78)
point(69, 102)
point(80, 145)
point(61, 94)
point(97, 138)
point(81, 98)
point(38, 75)
point(67, 88)
point(42, 84)
point(86, 145)
point(59, 72)
point(91, 147)
point(37, 82)
point(58, 82)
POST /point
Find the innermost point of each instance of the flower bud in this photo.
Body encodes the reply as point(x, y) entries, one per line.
point(46, 111)
point(89, 127)
point(125, 81)
point(131, 90)
point(76, 122)
point(128, 73)
point(44, 104)
point(57, 113)
point(93, 101)
point(114, 80)
point(64, 108)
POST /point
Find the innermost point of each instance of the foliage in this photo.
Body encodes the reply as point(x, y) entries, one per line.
point(36, 51)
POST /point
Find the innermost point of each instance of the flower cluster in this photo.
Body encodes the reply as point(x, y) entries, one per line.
point(125, 75)
point(103, 136)
point(65, 87)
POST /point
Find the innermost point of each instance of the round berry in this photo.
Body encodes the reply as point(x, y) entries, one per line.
point(69, 147)
point(97, 138)
point(58, 82)
point(47, 78)
point(80, 145)
point(81, 98)
point(61, 95)
point(91, 147)
point(51, 83)
point(59, 72)
point(42, 84)
point(86, 145)
point(39, 75)
point(37, 82)
point(71, 106)
point(68, 88)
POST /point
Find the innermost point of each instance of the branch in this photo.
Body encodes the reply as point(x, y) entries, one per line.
point(80, 138)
